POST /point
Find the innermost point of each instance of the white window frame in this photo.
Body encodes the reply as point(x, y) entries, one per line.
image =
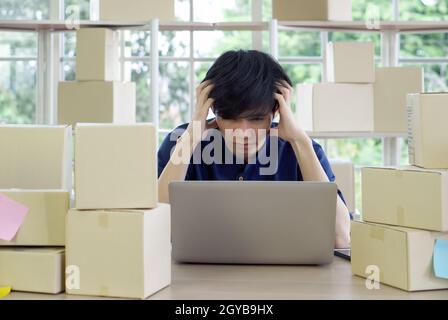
point(390, 57)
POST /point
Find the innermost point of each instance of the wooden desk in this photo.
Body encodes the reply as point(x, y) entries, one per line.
point(204, 282)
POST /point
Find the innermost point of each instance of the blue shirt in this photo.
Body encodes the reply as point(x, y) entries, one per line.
point(288, 166)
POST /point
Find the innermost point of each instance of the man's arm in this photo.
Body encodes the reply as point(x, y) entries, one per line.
point(312, 170)
point(310, 165)
point(176, 169)
point(177, 166)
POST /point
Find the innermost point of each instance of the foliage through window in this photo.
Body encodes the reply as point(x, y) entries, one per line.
point(300, 53)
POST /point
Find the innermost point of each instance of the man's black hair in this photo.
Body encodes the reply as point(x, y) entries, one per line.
point(244, 84)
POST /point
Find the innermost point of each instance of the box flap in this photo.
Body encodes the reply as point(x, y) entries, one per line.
point(443, 172)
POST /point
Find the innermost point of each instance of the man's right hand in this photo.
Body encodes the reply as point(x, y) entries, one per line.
point(203, 105)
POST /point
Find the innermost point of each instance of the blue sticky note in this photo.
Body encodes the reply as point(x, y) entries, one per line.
point(441, 258)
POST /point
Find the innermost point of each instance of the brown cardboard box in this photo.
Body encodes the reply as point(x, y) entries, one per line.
point(45, 223)
point(97, 55)
point(296, 10)
point(428, 135)
point(119, 253)
point(136, 10)
point(36, 157)
point(324, 107)
point(391, 87)
point(350, 62)
point(406, 196)
point(39, 270)
point(403, 257)
point(115, 166)
point(96, 102)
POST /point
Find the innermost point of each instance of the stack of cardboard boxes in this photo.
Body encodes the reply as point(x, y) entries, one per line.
point(357, 97)
point(405, 209)
point(98, 95)
point(118, 237)
point(35, 170)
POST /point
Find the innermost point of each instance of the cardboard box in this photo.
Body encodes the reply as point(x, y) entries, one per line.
point(404, 257)
point(305, 10)
point(350, 62)
point(390, 90)
point(406, 196)
point(45, 223)
point(115, 166)
point(35, 157)
point(123, 254)
point(96, 102)
point(428, 135)
point(39, 270)
point(97, 54)
point(345, 179)
point(136, 10)
point(335, 107)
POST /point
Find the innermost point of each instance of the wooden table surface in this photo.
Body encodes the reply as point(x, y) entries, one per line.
point(223, 282)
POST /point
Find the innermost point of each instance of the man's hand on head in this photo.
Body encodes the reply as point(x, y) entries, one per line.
point(288, 127)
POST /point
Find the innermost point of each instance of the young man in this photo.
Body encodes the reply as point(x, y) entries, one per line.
point(246, 90)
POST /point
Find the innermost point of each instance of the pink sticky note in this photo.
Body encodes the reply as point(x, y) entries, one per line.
point(12, 215)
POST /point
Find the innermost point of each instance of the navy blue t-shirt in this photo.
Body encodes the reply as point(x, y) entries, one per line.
point(287, 168)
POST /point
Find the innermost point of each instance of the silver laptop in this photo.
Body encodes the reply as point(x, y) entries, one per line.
point(253, 222)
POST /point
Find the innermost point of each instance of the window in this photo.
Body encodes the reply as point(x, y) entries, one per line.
point(82, 5)
point(423, 10)
point(24, 9)
point(18, 62)
point(18, 66)
point(430, 51)
point(185, 57)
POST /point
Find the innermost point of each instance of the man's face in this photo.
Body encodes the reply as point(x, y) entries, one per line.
point(245, 136)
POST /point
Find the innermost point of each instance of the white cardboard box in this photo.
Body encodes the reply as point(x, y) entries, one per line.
point(97, 55)
point(96, 102)
point(350, 62)
point(36, 157)
point(39, 270)
point(406, 196)
point(136, 10)
point(335, 107)
point(403, 257)
point(428, 134)
point(391, 88)
point(115, 166)
point(45, 223)
point(306, 10)
point(345, 179)
point(117, 253)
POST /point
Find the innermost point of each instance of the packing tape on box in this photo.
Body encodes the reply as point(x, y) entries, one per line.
point(377, 233)
point(103, 220)
point(400, 215)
